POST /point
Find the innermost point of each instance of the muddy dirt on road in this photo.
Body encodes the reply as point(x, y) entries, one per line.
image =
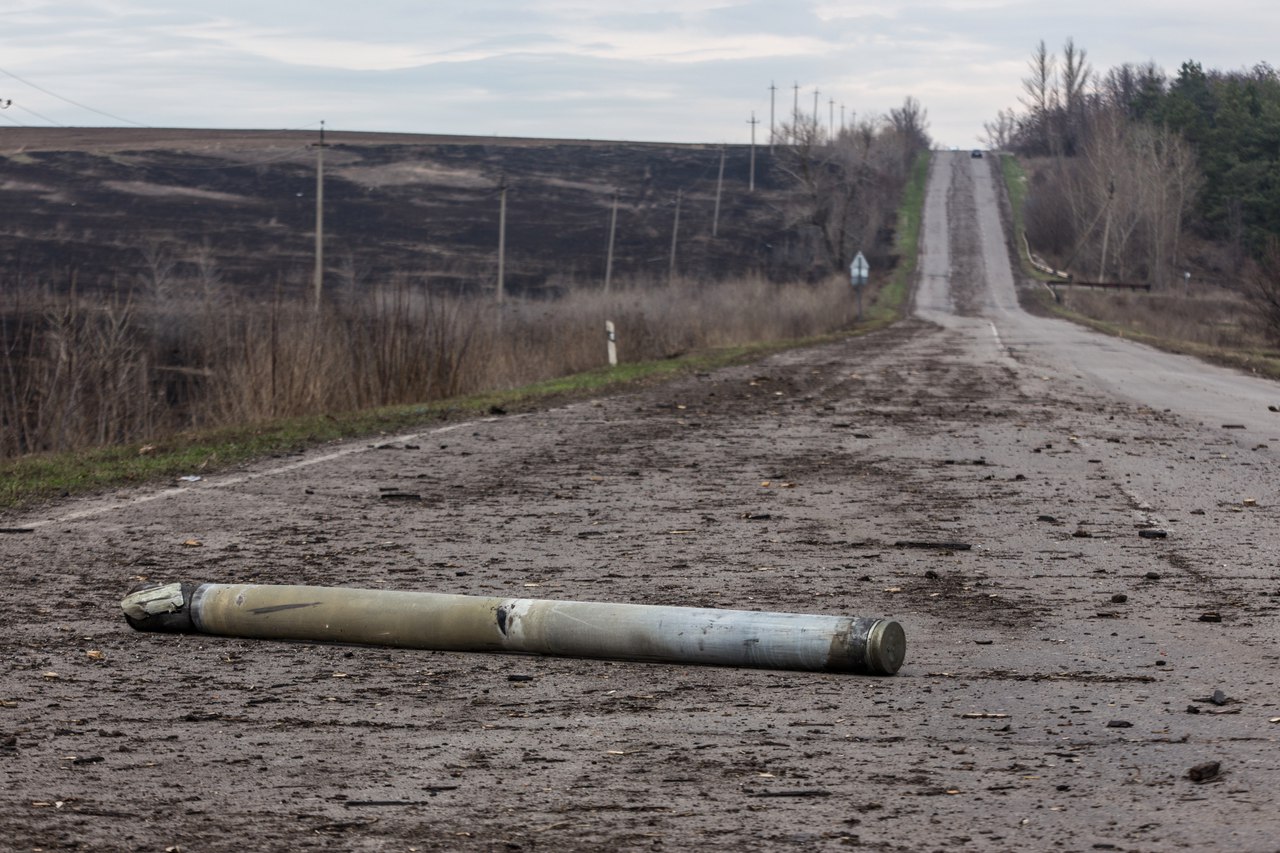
point(1111, 627)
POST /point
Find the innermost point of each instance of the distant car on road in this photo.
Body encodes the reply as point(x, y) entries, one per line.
point(976, 153)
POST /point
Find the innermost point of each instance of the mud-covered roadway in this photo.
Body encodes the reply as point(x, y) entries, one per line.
point(1059, 673)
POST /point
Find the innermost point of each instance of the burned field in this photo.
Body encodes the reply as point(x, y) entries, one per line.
point(149, 210)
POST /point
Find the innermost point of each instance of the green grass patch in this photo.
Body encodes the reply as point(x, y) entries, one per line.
point(890, 302)
point(1015, 182)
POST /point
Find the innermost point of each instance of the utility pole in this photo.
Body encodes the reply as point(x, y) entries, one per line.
point(831, 119)
point(842, 124)
point(675, 237)
point(1106, 229)
point(613, 229)
point(795, 115)
point(815, 111)
point(751, 187)
point(715, 219)
point(319, 273)
point(773, 94)
point(502, 235)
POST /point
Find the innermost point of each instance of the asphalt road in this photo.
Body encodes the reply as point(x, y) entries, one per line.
point(963, 189)
point(1120, 576)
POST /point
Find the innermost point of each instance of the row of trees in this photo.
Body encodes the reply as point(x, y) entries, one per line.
point(1132, 158)
point(849, 185)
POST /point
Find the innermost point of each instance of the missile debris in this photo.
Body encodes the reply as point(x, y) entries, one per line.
point(443, 622)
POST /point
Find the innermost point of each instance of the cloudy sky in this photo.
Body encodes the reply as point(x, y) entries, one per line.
point(663, 70)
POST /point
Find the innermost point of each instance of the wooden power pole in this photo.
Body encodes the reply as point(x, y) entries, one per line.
point(502, 237)
point(751, 187)
point(319, 272)
point(715, 219)
point(675, 239)
point(613, 230)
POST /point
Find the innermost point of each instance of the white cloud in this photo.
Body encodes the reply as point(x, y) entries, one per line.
point(567, 37)
point(678, 69)
point(229, 37)
point(852, 10)
point(692, 46)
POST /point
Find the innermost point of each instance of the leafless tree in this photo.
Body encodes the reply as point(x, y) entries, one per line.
point(1040, 96)
point(998, 134)
point(1264, 289)
point(847, 188)
point(1129, 192)
point(1171, 179)
point(911, 122)
point(159, 268)
point(208, 277)
point(1073, 83)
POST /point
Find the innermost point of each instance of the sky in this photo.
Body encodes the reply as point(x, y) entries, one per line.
point(645, 70)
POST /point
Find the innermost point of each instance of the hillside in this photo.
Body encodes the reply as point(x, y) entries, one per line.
point(163, 209)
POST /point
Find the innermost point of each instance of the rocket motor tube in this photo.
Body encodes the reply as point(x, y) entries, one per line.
point(444, 622)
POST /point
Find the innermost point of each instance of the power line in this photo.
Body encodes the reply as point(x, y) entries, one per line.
point(39, 116)
point(69, 101)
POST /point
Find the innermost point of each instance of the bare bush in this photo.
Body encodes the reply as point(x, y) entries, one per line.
point(1209, 316)
point(848, 186)
point(1117, 211)
point(1263, 290)
point(1050, 223)
point(76, 372)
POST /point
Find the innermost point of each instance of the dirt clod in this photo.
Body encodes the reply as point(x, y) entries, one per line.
point(1206, 772)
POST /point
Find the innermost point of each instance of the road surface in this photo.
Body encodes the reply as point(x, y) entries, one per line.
point(1059, 673)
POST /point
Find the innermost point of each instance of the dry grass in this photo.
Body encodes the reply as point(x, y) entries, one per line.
point(1217, 324)
point(1212, 317)
point(79, 372)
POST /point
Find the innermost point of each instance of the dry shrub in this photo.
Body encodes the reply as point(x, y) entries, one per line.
point(78, 371)
point(1211, 316)
point(1264, 290)
point(73, 374)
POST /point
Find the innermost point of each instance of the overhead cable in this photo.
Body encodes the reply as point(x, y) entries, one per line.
point(69, 101)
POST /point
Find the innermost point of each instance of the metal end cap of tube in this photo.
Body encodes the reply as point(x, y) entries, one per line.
point(159, 607)
point(886, 647)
